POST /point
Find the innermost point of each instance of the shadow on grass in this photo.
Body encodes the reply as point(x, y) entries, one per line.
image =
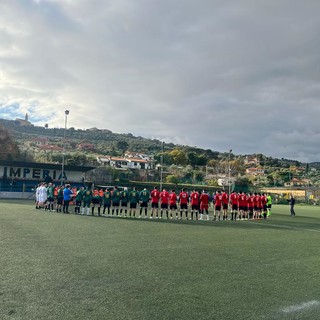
point(280, 222)
point(277, 220)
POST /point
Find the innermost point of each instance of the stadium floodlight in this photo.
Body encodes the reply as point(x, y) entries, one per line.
point(66, 113)
point(229, 173)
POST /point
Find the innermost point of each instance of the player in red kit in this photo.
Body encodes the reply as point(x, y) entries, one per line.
point(245, 207)
point(204, 204)
point(264, 206)
point(242, 204)
point(164, 202)
point(259, 205)
point(225, 201)
point(155, 196)
point(194, 203)
point(184, 200)
point(173, 203)
point(250, 201)
point(217, 205)
point(234, 205)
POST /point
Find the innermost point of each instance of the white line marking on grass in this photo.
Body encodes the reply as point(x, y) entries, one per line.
point(286, 227)
point(302, 306)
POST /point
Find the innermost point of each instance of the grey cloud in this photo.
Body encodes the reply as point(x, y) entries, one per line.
point(216, 74)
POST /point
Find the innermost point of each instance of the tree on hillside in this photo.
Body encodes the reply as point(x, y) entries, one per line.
point(9, 149)
point(123, 146)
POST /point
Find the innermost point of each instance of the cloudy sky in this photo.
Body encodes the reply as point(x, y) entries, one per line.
point(241, 75)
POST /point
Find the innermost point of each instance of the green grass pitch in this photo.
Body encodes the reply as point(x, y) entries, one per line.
point(56, 266)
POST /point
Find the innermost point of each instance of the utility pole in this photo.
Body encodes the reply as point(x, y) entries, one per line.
point(229, 173)
point(161, 166)
point(66, 113)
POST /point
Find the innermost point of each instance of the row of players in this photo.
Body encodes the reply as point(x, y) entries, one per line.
point(116, 202)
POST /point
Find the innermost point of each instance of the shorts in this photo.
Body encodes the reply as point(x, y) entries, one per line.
point(269, 206)
point(94, 200)
point(241, 208)
point(204, 206)
point(60, 201)
point(154, 205)
point(234, 207)
point(144, 205)
point(184, 206)
point(133, 205)
point(225, 206)
point(194, 207)
point(173, 206)
point(50, 199)
point(124, 204)
point(218, 208)
point(86, 204)
point(78, 203)
point(251, 209)
point(164, 206)
point(245, 209)
point(265, 207)
point(107, 205)
point(115, 204)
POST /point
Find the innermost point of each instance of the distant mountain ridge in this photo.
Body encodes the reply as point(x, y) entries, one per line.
point(108, 142)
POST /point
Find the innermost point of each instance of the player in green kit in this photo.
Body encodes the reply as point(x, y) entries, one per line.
point(133, 200)
point(124, 201)
point(116, 197)
point(106, 201)
point(144, 199)
point(96, 201)
point(86, 200)
point(269, 204)
point(50, 197)
point(79, 196)
point(60, 199)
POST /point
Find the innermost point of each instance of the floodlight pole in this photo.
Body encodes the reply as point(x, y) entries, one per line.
point(161, 166)
point(229, 173)
point(64, 145)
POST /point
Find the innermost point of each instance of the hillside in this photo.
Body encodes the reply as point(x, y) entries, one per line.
point(183, 163)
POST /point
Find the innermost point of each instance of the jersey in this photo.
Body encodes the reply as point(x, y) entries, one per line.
point(164, 197)
point(234, 198)
point(173, 198)
point(183, 197)
point(134, 196)
point(225, 198)
point(116, 196)
point(144, 195)
point(50, 192)
point(195, 198)
point(106, 198)
point(124, 196)
point(204, 199)
point(218, 200)
point(87, 196)
point(155, 196)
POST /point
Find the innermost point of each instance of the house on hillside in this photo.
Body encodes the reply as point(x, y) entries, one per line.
point(295, 182)
point(137, 163)
point(84, 146)
point(251, 161)
point(125, 162)
point(40, 141)
point(137, 155)
point(255, 171)
point(51, 148)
